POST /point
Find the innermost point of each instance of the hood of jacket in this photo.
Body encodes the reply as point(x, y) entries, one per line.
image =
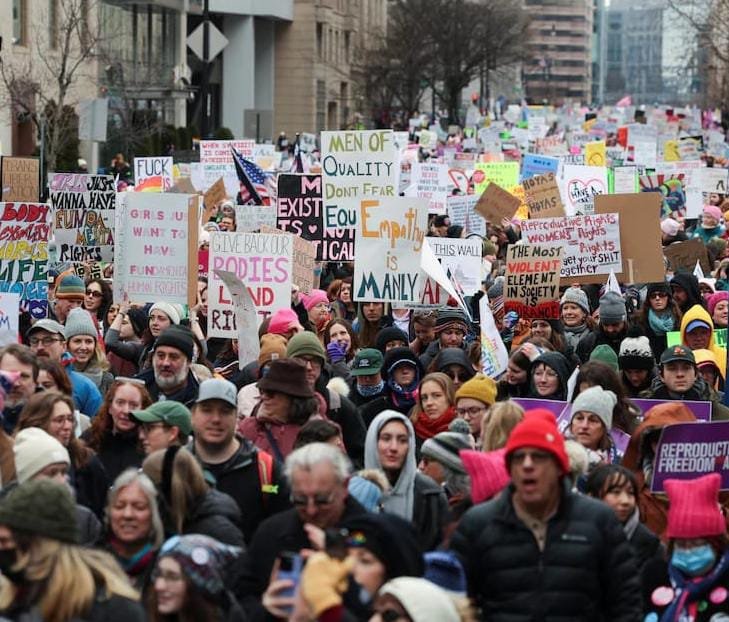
point(697, 312)
point(690, 284)
point(559, 363)
point(216, 503)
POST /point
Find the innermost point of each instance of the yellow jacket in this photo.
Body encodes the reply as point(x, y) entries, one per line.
point(697, 312)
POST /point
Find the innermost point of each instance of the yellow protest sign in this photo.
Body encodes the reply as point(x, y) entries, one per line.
point(595, 153)
point(504, 174)
point(670, 151)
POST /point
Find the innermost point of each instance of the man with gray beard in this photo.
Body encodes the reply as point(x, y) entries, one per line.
point(170, 377)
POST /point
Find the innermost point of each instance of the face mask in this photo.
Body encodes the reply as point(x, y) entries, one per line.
point(8, 558)
point(695, 560)
point(371, 389)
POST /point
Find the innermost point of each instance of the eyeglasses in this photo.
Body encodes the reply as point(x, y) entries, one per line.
point(470, 412)
point(93, 293)
point(44, 341)
point(537, 457)
point(318, 499)
point(310, 360)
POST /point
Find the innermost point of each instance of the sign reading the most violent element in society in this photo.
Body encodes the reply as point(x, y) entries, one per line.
point(356, 165)
point(20, 179)
point(690, 450)
point(389, 237)
point(262, 261)
point(591, 243)
point(532, 280)
point(83, 216)
point(153, 174)
point(151, 259)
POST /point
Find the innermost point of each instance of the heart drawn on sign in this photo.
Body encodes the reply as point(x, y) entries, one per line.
point(583, 191)
point(312, 229)
point(459, 179)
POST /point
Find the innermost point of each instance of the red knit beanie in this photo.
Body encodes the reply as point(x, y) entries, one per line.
point(538, 429)
point(693, 510)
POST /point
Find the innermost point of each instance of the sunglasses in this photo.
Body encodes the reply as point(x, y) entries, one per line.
point(659, 295)
point(93, 293)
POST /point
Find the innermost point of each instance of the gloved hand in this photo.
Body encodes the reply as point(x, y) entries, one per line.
point(336, 352)
point(324, 580)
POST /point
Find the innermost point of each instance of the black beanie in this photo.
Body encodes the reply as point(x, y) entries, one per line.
point(390, 333)
point(178, 337)
point(138, 319)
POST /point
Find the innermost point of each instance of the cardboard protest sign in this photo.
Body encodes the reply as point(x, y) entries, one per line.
point(700, 410)
point(542, 196)
point(591, 243)
point(304, 261)
point(522, 212)
point(431, 182)
point(151, 260)
point(533, 164)
point(461, 260)
point(462, 211)
point(684, 255)
point(389, 237)
point(24, 234)
point(503, 174)
point(253, 217)
point(9, 318)
point(20, 179)
point(213, 196)
point(689, 450)
point(494, 357)
point(595, 153)
point(153, 174)
point(246, 318)
point(580, 186)
point(495, 203)
point(356, 165)
point(216, 160)
point(532, 280)
point(263, 262)
point(183, 185)
point(83, 216)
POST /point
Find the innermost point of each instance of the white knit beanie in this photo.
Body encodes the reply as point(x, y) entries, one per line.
point(598, 401)
point(424, 601)
point(168, 309)
point(34, 450)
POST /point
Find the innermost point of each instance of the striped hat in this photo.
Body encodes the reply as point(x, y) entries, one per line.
point(70, 287)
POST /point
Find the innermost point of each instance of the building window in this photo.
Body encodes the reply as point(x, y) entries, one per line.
point(19, 22)
point(347, 36)
point(321, 105)
point(53, 24)
point(319, 40)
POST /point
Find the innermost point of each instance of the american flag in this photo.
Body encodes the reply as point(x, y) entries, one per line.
point(252, 179)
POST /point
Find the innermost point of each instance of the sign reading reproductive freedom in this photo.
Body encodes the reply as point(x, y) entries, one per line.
point(389, 237)
point(356, 165)
point(532, 281)
point(262, 261)
point(83, 216)
point(151, 258)
point(591, 243)
point(24, 233)
point(690, 450)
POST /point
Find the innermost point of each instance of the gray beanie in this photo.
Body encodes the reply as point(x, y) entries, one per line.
point(445, 448)
point(598, 401)
point(79, 322)
point(576, 296)
point(612, 308)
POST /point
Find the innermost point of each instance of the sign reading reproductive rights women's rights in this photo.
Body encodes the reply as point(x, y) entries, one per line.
point(356, 165)
point(262, 261)
point(151, 258)
point(83, 216)
point(690, 450)
point(591, 243)
point(389, 236)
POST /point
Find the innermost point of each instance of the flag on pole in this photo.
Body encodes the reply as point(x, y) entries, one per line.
point(698, 272)
point(252, 181)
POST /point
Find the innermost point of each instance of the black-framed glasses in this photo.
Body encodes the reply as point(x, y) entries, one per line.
point(44, 341)
point(472, 411)
point(93, 293)
point(317, 499)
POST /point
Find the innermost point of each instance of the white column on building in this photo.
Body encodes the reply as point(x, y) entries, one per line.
point(239, 60)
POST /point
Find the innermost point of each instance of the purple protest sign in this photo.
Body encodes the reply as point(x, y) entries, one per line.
point(690, 450)
point(530, 403)
point(701, 410)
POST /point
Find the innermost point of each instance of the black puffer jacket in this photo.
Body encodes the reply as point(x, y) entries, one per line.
point(430, 512)
point(598, 337)
point(587, 571)
point(216, 515)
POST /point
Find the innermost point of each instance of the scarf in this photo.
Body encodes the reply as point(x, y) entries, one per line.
point(370, 390)
point(661, 323)
point(690, 589)
point(403, 398)
point(631, 524)
point(426, 428)
point(137, 563)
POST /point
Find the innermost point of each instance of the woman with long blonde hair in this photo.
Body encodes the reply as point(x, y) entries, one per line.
point(45, 574)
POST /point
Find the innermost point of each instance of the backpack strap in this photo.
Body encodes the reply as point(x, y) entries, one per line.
point(265, 474)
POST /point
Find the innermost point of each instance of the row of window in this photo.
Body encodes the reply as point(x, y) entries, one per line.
point(332, 45)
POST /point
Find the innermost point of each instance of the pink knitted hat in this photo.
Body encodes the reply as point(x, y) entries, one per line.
point(487, 471)
point(693, 510)
point(715, 299)
point(282, 320)
point(313, 298)
point(713, 211)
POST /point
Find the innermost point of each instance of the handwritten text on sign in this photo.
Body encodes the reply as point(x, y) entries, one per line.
point(591, 243)
point(262, 261)
point(83, 216)
point(532, 280)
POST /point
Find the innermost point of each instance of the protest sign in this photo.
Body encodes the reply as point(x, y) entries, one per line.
point(83, 216)
point(303, 261)
point(20, 179)
point(534, 164)
point(701, 410)
point(388, 237)
point(428, 139)
point(522, 212)
point(595, 153)
point(9, 318)
point(263, 262)
point(645, 153)
point(625, 180)
point(713, 180)
point(495, 203)
point(461, 210)
point(203, 255)
point(253, 217)
point(503, 174)
point(684, 255)
point(494, 357)
point(151, 260)
point(213, 196)
point(673, 338)
point(689, 450)
point(532, 280)
point(461, 261)
point(431, 182)
point(246, 319)
point(551, 145)
point(580, 186)
point(24, 234)
point(153, 174)
point(183, 185)
point(356, 165)
point(530, 403)
point(216, 160)
point(542, 196)
point(432, 268)
point(640, 235)
point(591, 243)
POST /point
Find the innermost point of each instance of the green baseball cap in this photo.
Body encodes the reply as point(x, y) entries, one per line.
point(169, 412)
point(367, 362)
